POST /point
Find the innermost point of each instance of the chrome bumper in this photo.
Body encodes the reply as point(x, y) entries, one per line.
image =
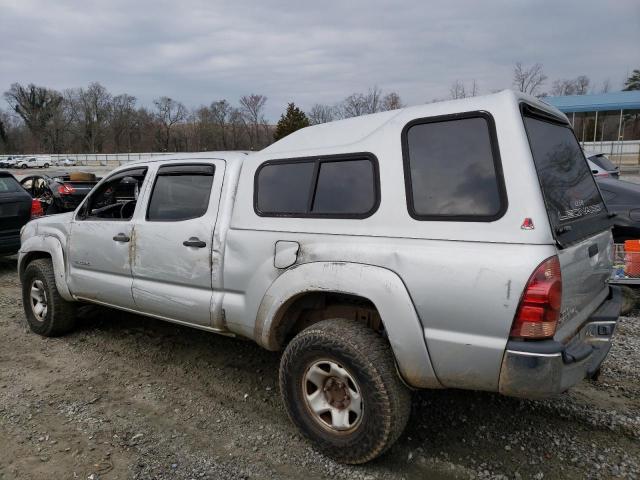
point(541, 369)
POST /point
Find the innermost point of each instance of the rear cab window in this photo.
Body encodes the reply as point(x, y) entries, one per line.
point(574, 204)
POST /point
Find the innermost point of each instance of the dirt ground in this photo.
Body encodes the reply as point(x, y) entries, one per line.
point(129, 397)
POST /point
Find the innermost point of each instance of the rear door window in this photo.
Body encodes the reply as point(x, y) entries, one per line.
point(574, 204)
point(181, 192)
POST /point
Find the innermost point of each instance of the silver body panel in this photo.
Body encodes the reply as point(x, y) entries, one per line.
point(447, 292)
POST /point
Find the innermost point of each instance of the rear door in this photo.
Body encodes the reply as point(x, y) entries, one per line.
point(578, 218)
point(174, 262)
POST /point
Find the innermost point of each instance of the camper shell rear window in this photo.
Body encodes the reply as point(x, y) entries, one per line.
point(574, 204)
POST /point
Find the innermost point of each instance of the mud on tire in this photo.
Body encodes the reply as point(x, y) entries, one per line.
point(361, 364)
point(48, 314)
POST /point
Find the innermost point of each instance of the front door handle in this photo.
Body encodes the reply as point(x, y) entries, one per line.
point(121, 237)
point(194, 242)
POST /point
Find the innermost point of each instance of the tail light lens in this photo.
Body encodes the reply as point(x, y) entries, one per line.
point(539, 310)
point(36, 208)
point(65, 189)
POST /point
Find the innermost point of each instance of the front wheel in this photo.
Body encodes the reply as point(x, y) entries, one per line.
point(340, 387)
point(46, 165)
point(48, 314)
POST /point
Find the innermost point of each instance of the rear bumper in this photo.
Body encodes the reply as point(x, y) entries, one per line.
point(542, 369)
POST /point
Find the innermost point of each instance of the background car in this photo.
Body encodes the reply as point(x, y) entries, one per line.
point(33, 162)
point(603, 164)
point(623, 199)
point(9, 162)
point(65, 162)
point(16, 209)
point(59, 193)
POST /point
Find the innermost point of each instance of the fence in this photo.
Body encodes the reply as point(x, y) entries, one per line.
point(625, 154)
point(108, 159)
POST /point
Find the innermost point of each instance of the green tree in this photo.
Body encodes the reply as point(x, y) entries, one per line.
point(294, 119)
point(633, 82)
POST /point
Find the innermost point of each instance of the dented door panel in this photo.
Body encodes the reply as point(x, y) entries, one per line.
point(174, 261)
point(99, 266)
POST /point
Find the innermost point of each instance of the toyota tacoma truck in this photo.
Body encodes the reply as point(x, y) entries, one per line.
point(461, 244)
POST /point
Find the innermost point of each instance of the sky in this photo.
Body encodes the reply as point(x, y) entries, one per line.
point(198, 51)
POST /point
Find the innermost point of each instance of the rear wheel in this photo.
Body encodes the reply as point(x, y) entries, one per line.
point(46, 165)
point(48, 314)
point(340, 388)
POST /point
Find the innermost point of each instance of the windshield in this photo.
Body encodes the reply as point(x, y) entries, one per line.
point(573, 201)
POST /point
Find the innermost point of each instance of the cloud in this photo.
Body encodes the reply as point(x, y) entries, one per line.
point(200, 50)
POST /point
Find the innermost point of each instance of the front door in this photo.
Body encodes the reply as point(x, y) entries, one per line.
point(172, 267)
point(101, 241)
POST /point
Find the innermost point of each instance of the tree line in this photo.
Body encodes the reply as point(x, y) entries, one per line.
point(93, 120)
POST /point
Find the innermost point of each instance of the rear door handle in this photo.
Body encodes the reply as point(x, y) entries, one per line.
point(121, 237)
point(194, 242)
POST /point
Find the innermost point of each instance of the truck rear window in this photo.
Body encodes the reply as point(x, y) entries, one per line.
point(573, 202)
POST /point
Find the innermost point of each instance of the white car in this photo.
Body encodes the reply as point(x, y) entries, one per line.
point(33, 162)
point(65, 162)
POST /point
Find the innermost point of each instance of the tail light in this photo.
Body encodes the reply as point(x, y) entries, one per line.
point(65, 189)
point(36, 208)
point(539, 309)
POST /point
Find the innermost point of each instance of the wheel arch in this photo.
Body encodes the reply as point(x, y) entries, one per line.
point(45, 246)
point(380, 287)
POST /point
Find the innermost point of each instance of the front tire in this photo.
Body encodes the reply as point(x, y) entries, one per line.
point(48, 314)
point(340, 388)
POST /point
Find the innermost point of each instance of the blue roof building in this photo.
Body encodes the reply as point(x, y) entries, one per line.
point(602, 117)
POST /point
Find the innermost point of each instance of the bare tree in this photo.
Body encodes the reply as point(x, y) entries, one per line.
point(90, 109)
point(606, 86)
point(358, 104)
point(121, 121)
point(169, 112)
point(562, 87)
point(322, 114)
point(457, 90)
point(528, 80)
point(252, 107)
point(36, 107)
point(391, 101)
point(221, 111)
point(582, 84)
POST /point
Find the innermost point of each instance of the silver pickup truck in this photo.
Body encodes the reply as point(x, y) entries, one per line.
point(460, 244)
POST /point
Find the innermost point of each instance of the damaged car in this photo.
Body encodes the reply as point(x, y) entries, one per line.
point(461, 244)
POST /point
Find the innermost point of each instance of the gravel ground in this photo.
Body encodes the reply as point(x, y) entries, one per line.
point(129, 397)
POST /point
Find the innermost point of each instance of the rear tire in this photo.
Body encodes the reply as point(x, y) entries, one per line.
point(48, 314)
point(360, 406)
point(46, 165)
